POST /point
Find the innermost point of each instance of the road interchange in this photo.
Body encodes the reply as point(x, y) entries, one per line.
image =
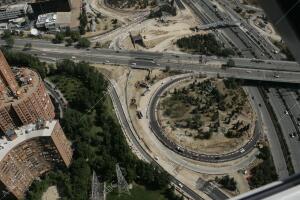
point(159, 133)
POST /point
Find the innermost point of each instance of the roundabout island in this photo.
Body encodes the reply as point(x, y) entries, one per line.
point(192, 116)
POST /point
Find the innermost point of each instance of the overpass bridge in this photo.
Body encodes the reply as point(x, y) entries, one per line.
point(218, 24)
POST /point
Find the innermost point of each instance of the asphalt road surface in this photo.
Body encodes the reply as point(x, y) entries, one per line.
point(276, 71)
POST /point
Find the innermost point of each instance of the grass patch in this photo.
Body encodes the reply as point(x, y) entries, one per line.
point(138, 192)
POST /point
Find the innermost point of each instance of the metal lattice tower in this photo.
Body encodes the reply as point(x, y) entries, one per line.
point(96, 193)
point(4, 194)
point(122, 183)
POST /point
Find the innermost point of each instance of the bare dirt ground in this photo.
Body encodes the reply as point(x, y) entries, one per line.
point(218, 143)
point(126, 78)
point(161, 34)
point(51, 194)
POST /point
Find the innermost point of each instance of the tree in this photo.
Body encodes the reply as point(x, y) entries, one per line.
point(230, 63)
point(75, 36)
point(68, 31)
point(83, 22)
point(84, 43)
point(69, 42)
point(227, 182)
point(59, 38)
point(9, 42)
point(6, 34)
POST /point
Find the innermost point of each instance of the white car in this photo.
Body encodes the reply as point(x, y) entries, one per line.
point(286, 112)
point(156, 158)
point(73, 57)
point(242, 150)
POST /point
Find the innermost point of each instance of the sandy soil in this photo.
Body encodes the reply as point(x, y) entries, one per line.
point(51, 194)
point(160, 35)
point(218, 143)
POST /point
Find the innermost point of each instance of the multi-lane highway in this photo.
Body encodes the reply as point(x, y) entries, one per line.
point(157, 130)
point(284, 113)
point(245, 36)
point(249, 69)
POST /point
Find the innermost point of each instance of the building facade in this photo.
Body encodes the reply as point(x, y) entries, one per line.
point(23, 98)
point(31, 141)
point(33, 151)
point(8, 12)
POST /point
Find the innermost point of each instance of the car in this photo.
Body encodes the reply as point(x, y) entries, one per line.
point(156, 158)
point(73, 57)
point(180, 185)
point(107, 61)
point(133, 64)
point(286, 112)
point(276, 76)
point(292, 135)
point(248, 71)
point(242, 150)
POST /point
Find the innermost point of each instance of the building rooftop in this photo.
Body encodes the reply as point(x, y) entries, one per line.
point(15, 7)
point(63, 17)
point(46, 18)
point(28, 81)
point(24, 133)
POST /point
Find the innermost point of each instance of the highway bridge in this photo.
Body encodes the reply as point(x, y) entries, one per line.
point(249, 69)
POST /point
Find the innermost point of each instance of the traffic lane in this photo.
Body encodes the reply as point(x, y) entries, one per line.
point(291, 99)
point(267, 64)
point(275, 147)
point(287, 127)
point(264, 75)
point(293, 108)
point(180, 57)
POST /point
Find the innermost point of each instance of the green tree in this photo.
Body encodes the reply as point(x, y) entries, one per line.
point(59, 38)
point(83, 22)
point(75, 36)
point(9, 42)
point(230, 63)
point(69, 42)
point(84, 43)
point(227, 182)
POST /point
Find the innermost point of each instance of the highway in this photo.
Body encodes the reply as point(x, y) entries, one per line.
point(262, 48)
point(248, 69)
point(288, 128)
point(157, 130)
point(217, 194)
point(245, 40)
point(269, 131)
